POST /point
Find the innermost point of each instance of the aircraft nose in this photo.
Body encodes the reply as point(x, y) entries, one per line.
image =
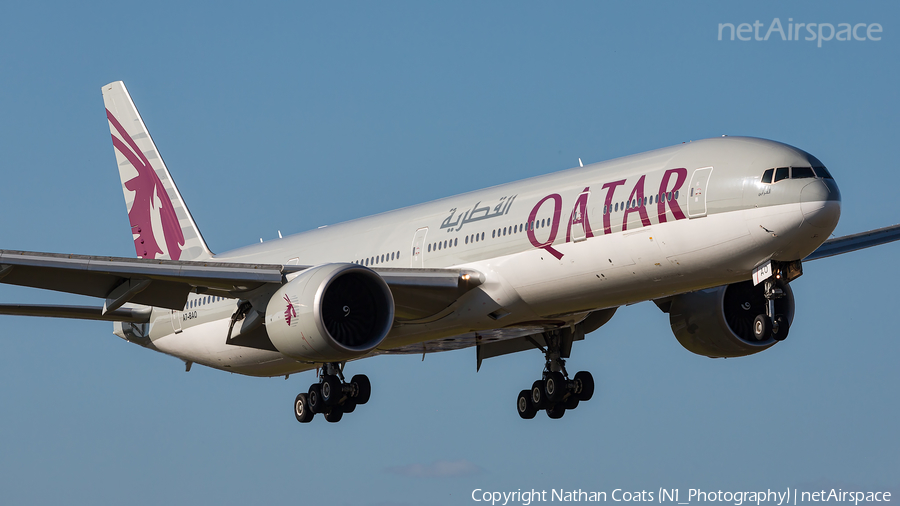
point(820, 203)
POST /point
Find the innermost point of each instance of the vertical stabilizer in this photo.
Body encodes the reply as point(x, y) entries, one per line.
point(161, 225)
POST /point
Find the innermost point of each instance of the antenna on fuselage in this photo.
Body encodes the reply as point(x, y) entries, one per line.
point(279, 235)
point(579, 162)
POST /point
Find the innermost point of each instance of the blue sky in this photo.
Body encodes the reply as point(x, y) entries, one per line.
point(287, 116)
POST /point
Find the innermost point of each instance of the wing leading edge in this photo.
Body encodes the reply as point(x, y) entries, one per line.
point(418, 293)
point(862, 240)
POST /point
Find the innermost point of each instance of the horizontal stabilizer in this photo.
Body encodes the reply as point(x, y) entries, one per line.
point(78, 312)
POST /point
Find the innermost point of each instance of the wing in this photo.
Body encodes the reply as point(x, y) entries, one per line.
point(848, 243)
point(418, 293)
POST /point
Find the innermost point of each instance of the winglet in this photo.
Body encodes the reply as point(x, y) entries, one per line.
point(161, 225)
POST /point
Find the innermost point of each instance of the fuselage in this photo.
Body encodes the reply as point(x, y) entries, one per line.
point(554, 248)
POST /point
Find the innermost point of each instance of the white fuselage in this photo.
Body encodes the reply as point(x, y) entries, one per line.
point(551, 248)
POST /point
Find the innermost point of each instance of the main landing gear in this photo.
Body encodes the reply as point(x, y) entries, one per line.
point(555, 392)
point(332, 396)
point(771, 324)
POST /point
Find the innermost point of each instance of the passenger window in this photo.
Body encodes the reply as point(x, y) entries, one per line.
point(781, 173)
point(767, 176)
point(802, 173)
point(676, 194)
point(456, 241)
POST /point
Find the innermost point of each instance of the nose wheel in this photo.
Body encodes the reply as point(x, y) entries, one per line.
point(555, 392)
point(332, 396)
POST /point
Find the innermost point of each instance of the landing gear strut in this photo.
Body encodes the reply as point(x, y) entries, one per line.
point(332, 396)
point(771, 324)
point(555, 392)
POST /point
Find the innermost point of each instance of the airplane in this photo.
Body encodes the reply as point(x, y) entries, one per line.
point(712, 231)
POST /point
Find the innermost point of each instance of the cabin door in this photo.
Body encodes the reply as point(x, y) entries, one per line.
point(176, 321)
point(418, 248)
point(698, 191)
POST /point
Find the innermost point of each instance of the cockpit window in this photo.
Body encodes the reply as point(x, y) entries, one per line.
point(822, 172)
point(802, 172)
point(774, 175)
point(781, 173)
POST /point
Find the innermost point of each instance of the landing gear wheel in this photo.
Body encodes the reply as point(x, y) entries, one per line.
point(556, 391)
point(525, 406)
point(762, 327)
point(782, 326)
point(314, 398)
point(556, 411)
point(363, 388)
point(538, 398)
point(555, 386)
point(331, 390)
point(302, 410)
point(335, 414)
point(348, 406)
point(584, 385)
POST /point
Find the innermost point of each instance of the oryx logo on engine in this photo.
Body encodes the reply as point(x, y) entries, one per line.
point(290, 314)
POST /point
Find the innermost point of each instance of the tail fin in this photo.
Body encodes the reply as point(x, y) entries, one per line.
point(161, 224)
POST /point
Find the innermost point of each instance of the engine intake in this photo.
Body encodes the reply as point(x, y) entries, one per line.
point(330, 313)
point(718, 322)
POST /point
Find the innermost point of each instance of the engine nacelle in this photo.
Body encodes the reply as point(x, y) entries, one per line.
point(718, 322)
point(330, 313)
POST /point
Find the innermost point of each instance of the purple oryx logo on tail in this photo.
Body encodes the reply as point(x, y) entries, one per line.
point(289, 313)
point(149, 197)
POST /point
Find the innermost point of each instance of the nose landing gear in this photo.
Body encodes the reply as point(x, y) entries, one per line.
point(555, 392)
point(770, 324)
point(332, 396)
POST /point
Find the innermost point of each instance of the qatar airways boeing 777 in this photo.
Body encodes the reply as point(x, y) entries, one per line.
point(712, 231)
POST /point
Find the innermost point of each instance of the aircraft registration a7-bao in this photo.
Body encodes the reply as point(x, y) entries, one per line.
point(712, 231)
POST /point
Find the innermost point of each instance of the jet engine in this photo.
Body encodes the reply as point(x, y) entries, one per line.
point(330, 313)
point(718, 322)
